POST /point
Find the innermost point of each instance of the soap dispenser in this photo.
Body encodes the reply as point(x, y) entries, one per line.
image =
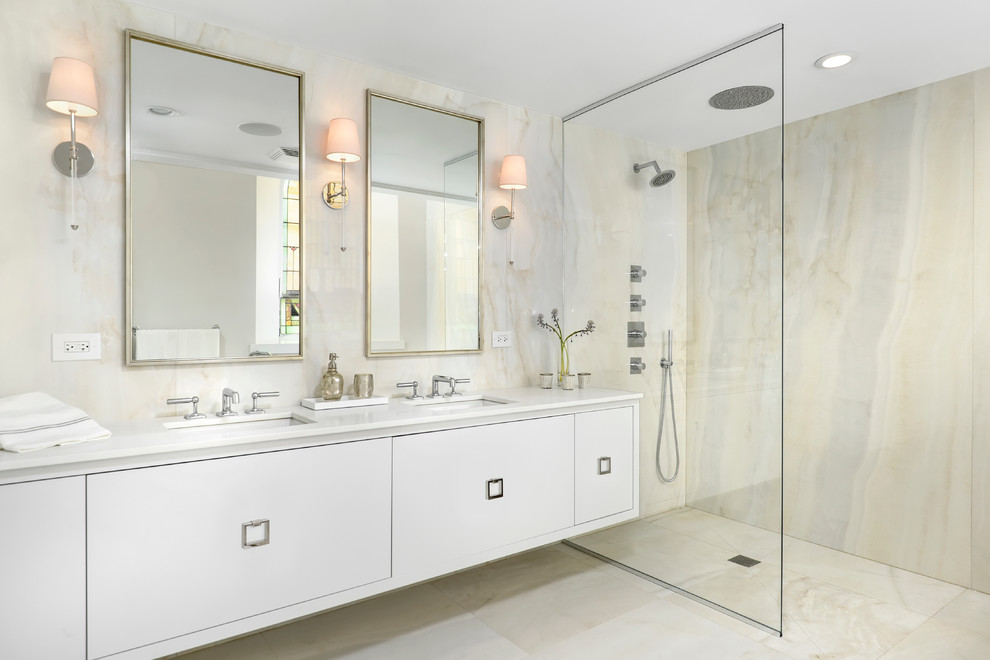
point(332, 383)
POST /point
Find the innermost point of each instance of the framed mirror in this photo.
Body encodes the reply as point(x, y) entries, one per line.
point(425, 185)
point(214, 206)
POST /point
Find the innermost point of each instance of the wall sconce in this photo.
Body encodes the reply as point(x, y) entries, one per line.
point(72, 91)
point(511, 177)
point(342, 147)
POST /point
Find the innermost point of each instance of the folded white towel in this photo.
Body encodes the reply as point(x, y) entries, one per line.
point(37, 420)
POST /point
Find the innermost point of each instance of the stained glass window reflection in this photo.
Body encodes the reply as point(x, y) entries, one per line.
point(290, 312)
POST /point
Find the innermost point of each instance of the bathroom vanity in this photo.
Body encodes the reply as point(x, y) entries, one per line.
point(159, 539)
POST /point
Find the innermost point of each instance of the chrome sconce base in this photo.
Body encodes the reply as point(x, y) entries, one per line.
point(335, 195)
point(62, 159)
point(502, 217)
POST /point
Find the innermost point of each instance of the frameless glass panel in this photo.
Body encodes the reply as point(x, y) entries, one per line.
point(685, 183)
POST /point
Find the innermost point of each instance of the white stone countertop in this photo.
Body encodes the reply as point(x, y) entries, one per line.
point(145, 443)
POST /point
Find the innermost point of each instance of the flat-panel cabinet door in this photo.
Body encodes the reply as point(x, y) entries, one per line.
point(603, 463)
point(180, 548)
point(43, 564)
point(464, 491)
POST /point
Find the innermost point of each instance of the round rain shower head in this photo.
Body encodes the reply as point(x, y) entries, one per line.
point(663, 178)
point(740, 98)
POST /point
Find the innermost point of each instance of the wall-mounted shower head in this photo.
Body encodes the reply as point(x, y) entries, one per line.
point(662, 178)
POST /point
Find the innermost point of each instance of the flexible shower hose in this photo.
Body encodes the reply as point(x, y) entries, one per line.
point(666, 377)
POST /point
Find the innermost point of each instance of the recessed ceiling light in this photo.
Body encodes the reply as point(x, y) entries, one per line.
point(835, 60)
point(260, 128)
point(162, 111)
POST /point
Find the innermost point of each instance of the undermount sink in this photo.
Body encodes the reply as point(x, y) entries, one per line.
point(455, 403)
point(262, 421)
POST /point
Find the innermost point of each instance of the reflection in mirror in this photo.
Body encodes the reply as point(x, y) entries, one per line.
point(214, 209)
point(424, 219)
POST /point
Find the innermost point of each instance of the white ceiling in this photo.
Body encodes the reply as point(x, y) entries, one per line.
point(557, 56)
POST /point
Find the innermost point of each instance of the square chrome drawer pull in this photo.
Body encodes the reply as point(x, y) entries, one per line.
point(494, 489)
point(605, 465)
point(262, 541)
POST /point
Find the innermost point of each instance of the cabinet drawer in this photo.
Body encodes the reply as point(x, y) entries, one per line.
point(43, 555)
point(464, 491)
point(603, 463)
point(180, 548)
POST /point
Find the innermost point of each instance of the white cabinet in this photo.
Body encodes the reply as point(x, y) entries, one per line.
point(180, 548)
point(43, 558)
point(463, 491)
point(603, 463)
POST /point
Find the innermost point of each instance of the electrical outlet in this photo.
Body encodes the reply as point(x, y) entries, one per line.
point(76, 346)
point(501, 339)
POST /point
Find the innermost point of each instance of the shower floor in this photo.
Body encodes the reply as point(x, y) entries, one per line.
point(692, 550)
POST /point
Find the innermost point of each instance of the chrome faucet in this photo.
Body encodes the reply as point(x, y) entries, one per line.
point(451, 381)
point(230, 397)
point(440, 379)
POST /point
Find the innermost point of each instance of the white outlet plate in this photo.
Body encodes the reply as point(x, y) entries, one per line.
point(76, 346)
point(502, 339)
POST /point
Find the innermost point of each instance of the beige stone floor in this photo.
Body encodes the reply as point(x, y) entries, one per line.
point(557, 602)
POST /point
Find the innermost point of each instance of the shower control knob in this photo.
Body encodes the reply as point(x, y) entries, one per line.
point(636, 365)
point(636, 302)
point(636, 273)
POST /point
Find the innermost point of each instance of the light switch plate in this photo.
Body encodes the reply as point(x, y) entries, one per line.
point(76, 346)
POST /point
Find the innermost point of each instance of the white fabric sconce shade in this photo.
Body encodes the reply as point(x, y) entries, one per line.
point(342, 141)
point(512, 176)
point(72, 88)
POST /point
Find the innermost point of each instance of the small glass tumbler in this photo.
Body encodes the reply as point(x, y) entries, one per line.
point(546, 381)
point(584, 379)
point(567, 381)
point(364, 386)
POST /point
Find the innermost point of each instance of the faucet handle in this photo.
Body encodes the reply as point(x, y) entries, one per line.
point(254, 409)
point(452, 385)
point(413, 384)
point(194, 400)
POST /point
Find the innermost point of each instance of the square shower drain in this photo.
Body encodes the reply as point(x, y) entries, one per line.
point(743, 560)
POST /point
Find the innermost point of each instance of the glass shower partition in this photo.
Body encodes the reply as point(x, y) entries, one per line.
point(682, 177)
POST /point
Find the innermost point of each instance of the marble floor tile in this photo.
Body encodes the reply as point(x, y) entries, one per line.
point(911, 591)
point(660, 552)
point(557, 603)
point(351, 630)
point(753, 592)
point(723, 532)
point(658, 630)
point(825, 621)
point(252, 647)
point(934, 639)
point(541, 598)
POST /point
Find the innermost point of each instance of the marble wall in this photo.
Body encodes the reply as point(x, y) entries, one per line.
point(981, 333)
point(879, 344)
point(612, 220)
point(57, 280)
point(734, 323)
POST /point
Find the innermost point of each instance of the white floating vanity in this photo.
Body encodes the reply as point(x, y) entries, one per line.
point(163, 539)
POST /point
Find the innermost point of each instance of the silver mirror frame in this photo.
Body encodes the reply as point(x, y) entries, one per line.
point(129, 37)
point(481, 205)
